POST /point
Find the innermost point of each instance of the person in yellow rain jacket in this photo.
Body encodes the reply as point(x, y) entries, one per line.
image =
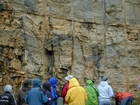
point(76, 95)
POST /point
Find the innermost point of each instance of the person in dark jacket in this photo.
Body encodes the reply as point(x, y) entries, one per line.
point(26, 86)
point(36, 96)
point(7, 98)
point(47, 90)
point(53, 82)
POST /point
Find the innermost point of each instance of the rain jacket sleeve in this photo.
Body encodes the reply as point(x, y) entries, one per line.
point(44, 97)
point(13, 101)
point(26, 98)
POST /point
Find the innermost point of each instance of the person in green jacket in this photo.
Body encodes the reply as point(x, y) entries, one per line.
point(92, 93)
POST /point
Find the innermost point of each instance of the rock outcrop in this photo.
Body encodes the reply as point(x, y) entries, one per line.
point(88, 39)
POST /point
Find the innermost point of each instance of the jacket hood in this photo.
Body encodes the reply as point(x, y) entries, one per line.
point(36, 82)
point(73, 83)
point(53, 81)
point(89, 82)
point(8, 88)
point(47, 86)
point(103, 83)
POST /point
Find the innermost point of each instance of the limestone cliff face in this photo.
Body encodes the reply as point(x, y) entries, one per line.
point(85, 38)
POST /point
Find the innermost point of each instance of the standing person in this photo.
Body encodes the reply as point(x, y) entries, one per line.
point(139, 85)
point(65, 88)
point(124, 98)
point(76, 95)
point(47, 90)
point(92, 93)
point(7, 98)
point(53, 82)
point(105, 92)
point(26, 86)
point(36, 96)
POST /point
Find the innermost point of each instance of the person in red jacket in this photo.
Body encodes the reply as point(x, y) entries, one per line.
point(124, 98)
point(65, 88)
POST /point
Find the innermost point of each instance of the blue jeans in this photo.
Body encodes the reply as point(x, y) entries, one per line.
point(126, 101)
point(104, 103)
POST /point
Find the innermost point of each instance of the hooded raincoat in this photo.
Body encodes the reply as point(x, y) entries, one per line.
point(76, 95)
point(105, 92)
point(92, 93)
point(53, 82)
point(47, 90)
point(36, 96)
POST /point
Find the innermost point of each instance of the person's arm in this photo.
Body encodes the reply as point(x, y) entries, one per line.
point(54, 94)
point(26, 98)
point(44, 97)
point(13, 101)
point(111, 93)
point(18, 99)
point(116, 99)
point(64, 90)
point(85, 95)
point(67, 96)
point(117, 103)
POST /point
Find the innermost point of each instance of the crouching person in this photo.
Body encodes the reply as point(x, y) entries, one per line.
point(123, 98)
point(7, 98)
point(36, 96)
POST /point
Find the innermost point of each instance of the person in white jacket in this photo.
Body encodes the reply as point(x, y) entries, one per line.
point(105, 92)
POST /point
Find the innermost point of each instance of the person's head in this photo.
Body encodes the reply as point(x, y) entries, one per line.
point(53, 81)
point(8, 88)
point(89, 82)
point(73, 83)
point(69, 77)
point(47, 86)
point(103, 78)
point(36, 82)
point(26, 83)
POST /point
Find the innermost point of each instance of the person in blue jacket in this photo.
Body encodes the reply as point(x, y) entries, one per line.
point(53, 82)
point(36, 96)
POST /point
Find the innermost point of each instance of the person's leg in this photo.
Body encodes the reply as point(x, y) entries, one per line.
point(129, 102)
point(126, 101)
point(104, 103)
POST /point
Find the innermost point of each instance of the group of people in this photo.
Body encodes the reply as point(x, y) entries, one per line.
point(73, 93)
point(37, 93)
point(32, 93)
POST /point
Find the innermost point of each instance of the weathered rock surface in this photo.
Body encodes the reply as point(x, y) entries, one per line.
point(88, 38)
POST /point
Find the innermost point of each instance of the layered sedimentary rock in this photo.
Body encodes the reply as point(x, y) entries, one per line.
point(85, 38)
